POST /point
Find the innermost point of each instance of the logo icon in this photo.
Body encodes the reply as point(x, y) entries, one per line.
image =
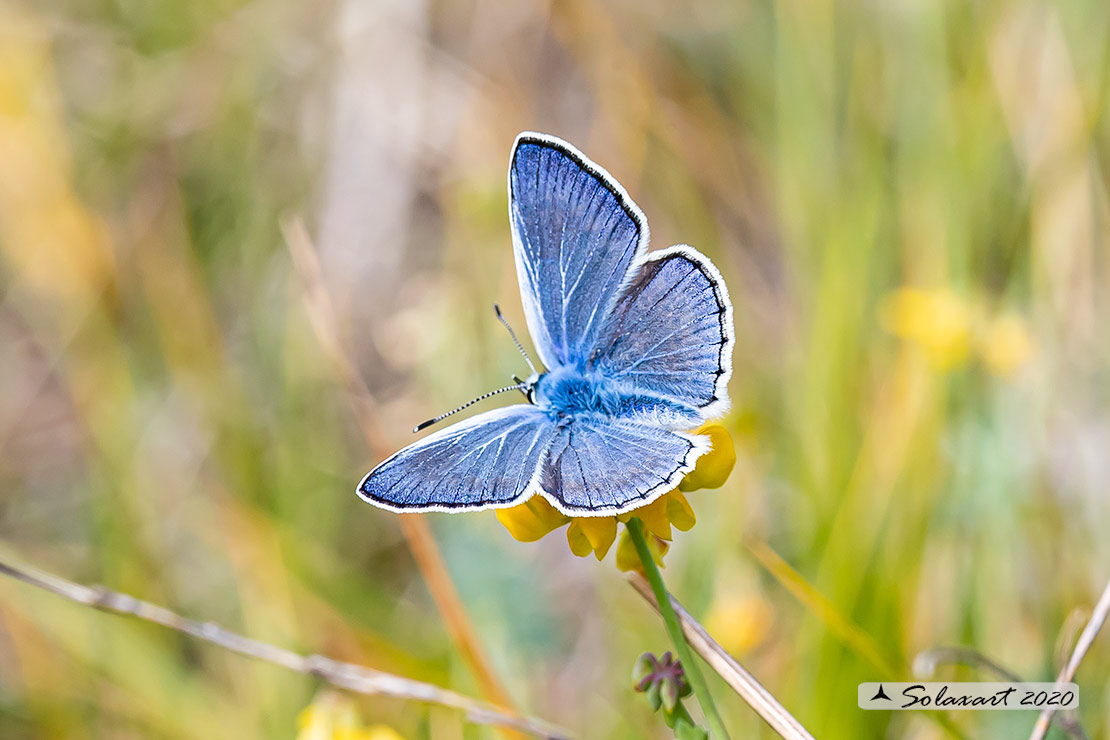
point(880, 694)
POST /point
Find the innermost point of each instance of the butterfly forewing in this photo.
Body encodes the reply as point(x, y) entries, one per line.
point(575, 235)
point(487, 460)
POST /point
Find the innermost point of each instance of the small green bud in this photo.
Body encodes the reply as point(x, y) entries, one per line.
point(668, 692)
point(643, 669)
point(653, 696)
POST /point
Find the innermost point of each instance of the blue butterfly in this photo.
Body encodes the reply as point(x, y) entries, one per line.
point(638, 348)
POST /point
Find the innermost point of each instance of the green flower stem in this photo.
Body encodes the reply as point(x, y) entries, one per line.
point(674, 629)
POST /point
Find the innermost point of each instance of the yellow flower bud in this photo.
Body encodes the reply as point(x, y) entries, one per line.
point(578, 541)
point(654, 517)
point(627, 557)
point(592, 534)
point(531, 520)
point(679, 511)
point(712, 468)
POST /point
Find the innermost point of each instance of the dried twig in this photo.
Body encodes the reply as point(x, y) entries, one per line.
point(343, 675)
point(734, 674)
point(927, 661)
point(1082, 645)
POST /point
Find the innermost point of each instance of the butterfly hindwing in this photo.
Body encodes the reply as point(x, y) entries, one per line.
point(575, 235)
point(670, 332)
point(486, 461)
point(598, 467)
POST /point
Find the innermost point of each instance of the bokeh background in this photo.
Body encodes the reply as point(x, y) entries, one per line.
point(907, 199)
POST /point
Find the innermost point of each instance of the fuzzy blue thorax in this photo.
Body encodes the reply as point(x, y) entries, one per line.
point(568, 392)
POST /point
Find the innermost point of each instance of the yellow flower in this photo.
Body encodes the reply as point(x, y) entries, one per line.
point(937, 321)
point(534, 518)
point(332, 716)
point(713, 468)
point(531, 520)
point(327, 713)
point(1005, 346)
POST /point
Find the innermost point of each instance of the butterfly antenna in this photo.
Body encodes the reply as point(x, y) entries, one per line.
point(497, 310)
point(468, 404)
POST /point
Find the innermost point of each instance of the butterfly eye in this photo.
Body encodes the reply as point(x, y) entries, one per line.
point(530, 390)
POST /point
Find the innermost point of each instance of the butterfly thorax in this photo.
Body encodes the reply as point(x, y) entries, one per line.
point(568, 392)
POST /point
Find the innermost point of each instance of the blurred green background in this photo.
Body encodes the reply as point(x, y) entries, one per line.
point(907, 199)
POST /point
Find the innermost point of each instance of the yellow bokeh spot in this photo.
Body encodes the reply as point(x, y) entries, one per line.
point(713, 468)
point(937, 321)
point(51, 238)
point(373, 732)
point(531, 520)
point(1005, 346)
point(739, 623)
